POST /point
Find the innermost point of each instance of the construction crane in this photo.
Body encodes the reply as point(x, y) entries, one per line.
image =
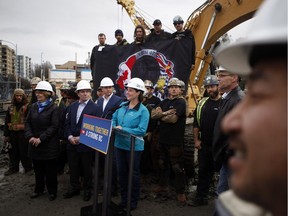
point(136, 17)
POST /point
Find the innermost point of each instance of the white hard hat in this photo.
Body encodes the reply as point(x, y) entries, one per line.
point(83, 84)
point(106, 81)
point(35, 80)
point(44, 86)
point(136, 83)
point(221, 69)
point(269, 27)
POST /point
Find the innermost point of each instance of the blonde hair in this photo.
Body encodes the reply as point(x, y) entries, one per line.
point(47, 94)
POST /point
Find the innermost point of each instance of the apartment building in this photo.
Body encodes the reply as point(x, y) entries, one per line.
point(24, 66)
point(7, 60)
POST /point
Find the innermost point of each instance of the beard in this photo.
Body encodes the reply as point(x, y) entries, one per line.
point(213, 94)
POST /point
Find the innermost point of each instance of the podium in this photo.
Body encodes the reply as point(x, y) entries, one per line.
point(107, 207)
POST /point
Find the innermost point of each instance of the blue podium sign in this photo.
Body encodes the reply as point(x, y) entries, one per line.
point(95, 133)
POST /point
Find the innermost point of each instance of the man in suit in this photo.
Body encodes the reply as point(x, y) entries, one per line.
point(232, 95)
point(108, 103)
point(80, 157)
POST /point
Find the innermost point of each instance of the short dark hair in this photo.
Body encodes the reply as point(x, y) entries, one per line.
point(102, 34)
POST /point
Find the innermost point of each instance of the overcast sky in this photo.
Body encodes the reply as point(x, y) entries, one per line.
point(61, 28)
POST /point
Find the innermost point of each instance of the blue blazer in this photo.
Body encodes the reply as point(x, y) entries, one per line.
point(71, 128)
point(111, 106)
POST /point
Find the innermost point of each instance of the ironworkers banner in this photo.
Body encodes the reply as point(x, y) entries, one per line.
point(158, 62)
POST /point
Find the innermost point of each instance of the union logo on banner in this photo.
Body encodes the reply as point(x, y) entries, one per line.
point(125, 68)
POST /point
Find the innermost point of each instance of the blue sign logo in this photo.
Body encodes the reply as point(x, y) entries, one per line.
point(95, 133)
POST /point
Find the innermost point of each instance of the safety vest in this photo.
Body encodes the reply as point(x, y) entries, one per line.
point(199, 110)
point(16, 116)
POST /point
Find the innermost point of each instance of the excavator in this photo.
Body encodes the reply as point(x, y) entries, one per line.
point(208, 23)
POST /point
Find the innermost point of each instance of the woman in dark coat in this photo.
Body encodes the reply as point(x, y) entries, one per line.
point(41, 130)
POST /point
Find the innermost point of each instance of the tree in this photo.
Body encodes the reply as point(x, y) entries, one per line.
point(46, 66)
point(25, 83)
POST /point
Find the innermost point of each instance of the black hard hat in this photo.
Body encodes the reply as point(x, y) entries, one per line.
point(119, 31)
point(157, 22)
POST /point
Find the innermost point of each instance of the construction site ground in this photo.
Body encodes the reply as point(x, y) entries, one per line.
point(15, 199)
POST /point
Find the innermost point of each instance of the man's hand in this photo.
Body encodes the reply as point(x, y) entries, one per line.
point(148, 136)
point(74, 140)
point(197, 144)
point(169, 112)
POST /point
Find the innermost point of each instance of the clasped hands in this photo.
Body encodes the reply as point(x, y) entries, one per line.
point(34, 141)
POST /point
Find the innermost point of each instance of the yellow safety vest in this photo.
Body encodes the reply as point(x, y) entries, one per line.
point(199, 110)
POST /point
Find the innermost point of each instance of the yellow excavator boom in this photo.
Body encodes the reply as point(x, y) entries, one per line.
point(208, 23)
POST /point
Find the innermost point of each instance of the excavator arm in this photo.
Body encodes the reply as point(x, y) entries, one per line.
point(209, 22)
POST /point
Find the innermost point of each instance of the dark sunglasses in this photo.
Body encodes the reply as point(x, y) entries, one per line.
point(177, 23)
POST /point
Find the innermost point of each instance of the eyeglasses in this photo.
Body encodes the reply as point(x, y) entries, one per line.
point(222, 75)
point(177, 23)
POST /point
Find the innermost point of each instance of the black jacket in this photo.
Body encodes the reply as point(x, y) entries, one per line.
point(43, 125)
point(111, 106)
point(152, 37)
point(220, 145)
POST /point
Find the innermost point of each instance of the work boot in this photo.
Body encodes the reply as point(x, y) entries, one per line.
point(181, 198)
point(160, 189)
point(10, 172)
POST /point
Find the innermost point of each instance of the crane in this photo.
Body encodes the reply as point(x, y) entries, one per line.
point(136, 17)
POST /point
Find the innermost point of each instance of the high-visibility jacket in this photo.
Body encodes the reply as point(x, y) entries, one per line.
point(199, 110)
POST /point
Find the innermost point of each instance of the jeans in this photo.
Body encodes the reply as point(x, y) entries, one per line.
point(123, 164)
point(223, 184)
point(205, 173)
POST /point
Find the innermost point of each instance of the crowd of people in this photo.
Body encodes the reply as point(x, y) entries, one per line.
point(241, 136)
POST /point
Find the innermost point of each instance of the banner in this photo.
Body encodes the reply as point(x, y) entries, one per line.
point(156, 61)
point(95, 133)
